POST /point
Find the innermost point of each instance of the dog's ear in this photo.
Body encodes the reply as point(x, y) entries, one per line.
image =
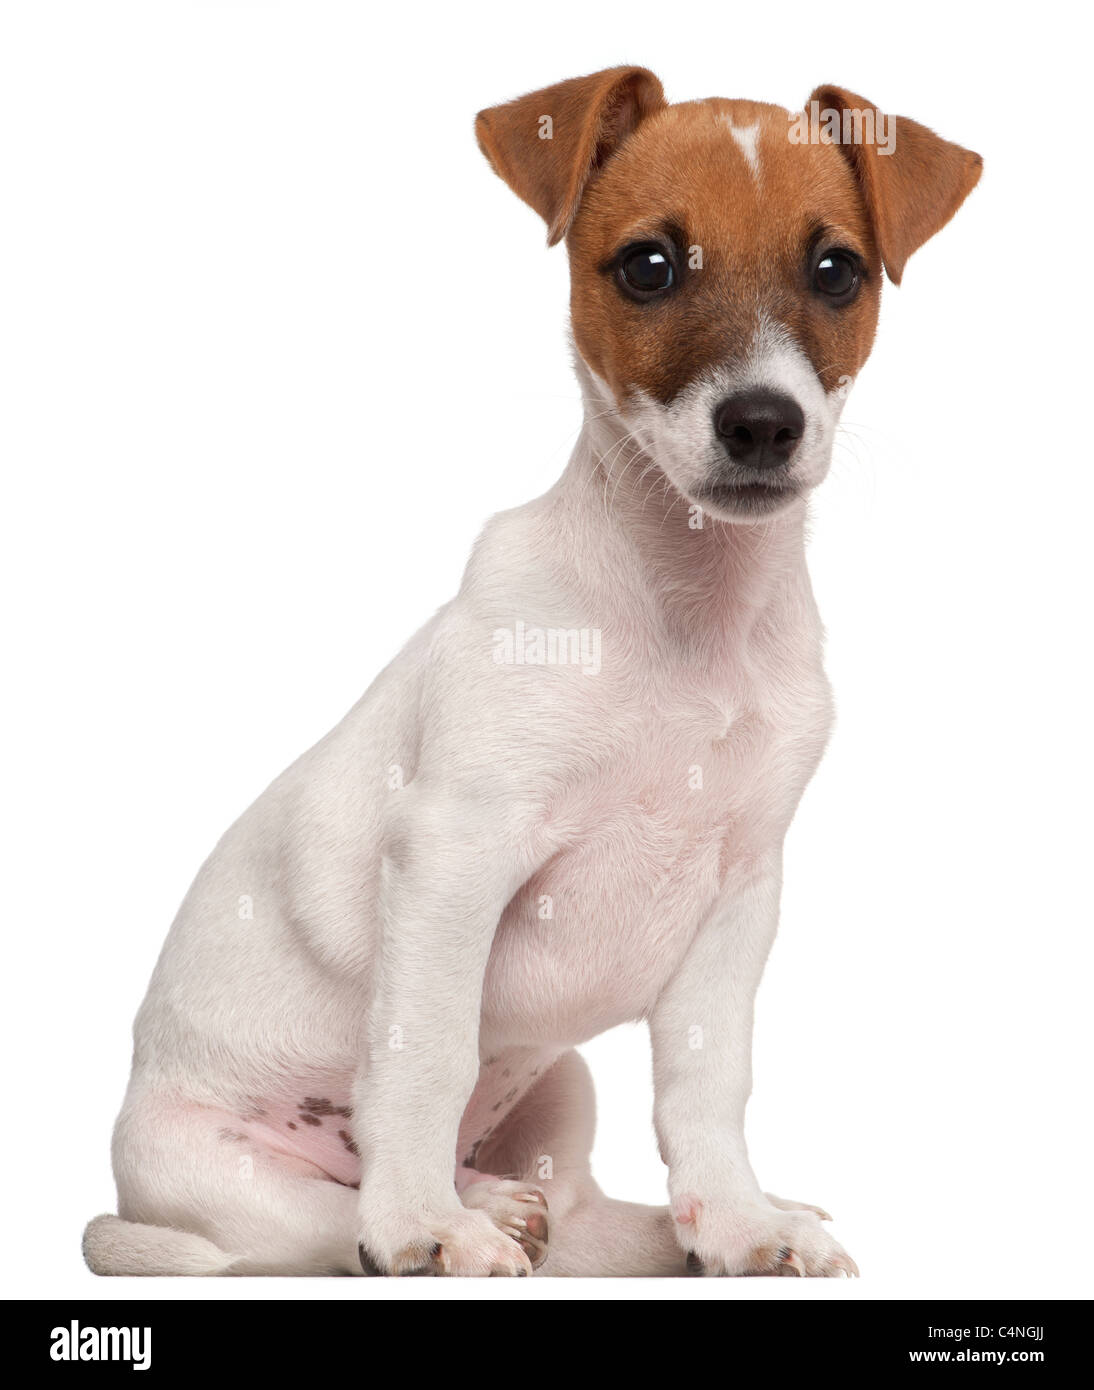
point(912, 181)
point(547, 145)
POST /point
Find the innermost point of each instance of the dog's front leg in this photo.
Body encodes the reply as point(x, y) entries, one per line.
point(446, 878)
point(701, 1029)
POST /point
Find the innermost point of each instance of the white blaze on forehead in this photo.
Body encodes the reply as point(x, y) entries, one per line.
point(747, 140)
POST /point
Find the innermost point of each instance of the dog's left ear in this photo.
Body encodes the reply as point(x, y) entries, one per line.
point(547, 145)
point(912, 181)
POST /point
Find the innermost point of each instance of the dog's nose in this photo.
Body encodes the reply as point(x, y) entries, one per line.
point(760, 429)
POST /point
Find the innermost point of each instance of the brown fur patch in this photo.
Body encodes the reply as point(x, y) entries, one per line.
point(911, 193)
point(683, 167)
point(548, 144)
point(620, 166)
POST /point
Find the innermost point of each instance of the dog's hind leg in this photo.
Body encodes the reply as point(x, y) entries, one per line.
point(198, 1198)
point(547, 1139)
point(195, 1198)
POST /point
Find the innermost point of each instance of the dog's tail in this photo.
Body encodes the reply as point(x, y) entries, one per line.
point(114, 1246)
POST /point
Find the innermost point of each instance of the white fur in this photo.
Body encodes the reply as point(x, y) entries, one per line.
point(747, 138)
point(680, 437)
point(487, 863)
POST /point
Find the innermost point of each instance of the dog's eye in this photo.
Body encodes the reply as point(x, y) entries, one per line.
point(646, 270)
point(836, 275)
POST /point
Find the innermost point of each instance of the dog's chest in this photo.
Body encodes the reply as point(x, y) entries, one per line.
point(701, 783)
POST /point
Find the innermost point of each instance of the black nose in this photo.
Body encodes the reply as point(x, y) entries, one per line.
point(760, 429)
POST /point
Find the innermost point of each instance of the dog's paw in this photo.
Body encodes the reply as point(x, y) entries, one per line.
point(517, 1209)
point(464, 1243)
point(760, 1239)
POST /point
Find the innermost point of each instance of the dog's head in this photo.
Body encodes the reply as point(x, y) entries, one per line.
point(726, 262)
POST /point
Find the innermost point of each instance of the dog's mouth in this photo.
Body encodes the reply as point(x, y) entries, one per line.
point(748, 499)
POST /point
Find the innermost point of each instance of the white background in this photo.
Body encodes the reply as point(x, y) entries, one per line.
point(275, 341)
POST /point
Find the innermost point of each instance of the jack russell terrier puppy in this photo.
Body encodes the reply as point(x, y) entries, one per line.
point(563, 805)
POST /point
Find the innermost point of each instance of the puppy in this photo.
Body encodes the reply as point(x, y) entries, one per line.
point(563, 805)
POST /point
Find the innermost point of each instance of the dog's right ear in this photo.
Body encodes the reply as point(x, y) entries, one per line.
point(547, 145)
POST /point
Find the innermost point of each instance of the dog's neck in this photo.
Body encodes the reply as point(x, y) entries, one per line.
point(640, 544)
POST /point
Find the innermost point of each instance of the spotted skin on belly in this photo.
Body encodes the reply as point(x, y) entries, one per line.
point(315, 1131)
